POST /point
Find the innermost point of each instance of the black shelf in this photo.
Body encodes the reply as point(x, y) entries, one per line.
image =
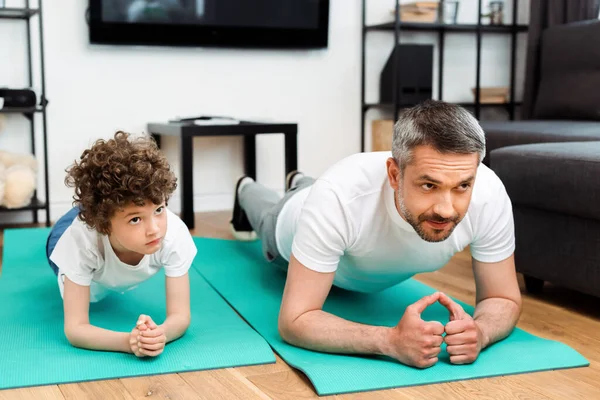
point(21, 110)
point(33, 206)
point(441, 29)
point(437, 27)
point(368, 106)
point(25, 14)
point(17, 13)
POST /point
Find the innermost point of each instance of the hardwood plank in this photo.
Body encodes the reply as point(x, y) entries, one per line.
point(286, 385)
point(555, 385)
point(100, 390)
point(222, 384)
point(166, 386)
point(293, 384)
point(279, 366)
point(33, 393)
point(481, 389)
point(214, 225)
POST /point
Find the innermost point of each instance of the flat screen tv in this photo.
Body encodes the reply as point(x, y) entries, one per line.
point(295, 24)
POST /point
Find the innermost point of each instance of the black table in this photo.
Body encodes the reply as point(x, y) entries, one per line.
point(187, 131)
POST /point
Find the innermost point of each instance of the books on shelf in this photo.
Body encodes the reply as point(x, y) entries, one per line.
point(207, 120)
point(492, 95)
point(418, 11)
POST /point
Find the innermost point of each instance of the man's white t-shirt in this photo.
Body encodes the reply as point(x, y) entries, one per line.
point(347, 223)
point(87, 258)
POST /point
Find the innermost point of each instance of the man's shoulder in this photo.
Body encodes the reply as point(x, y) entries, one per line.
point(487, 185)
point(359, 161)
point(488, 191)
point(356, 175)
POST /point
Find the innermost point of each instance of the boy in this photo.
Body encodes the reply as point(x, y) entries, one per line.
point(119, 234)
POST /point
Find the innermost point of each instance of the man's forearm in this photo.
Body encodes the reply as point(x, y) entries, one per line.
point(496, 317)
point(321, 331)
point(91, 337)
point(175, 326)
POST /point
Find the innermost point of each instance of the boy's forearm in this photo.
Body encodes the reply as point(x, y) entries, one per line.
point(175, 326)
point(91, 337)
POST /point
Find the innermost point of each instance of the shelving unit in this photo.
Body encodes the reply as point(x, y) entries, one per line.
point(27, 14)
point(442, 29)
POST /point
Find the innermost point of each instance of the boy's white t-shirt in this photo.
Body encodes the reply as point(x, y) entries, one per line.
point(347, 223)
point(87, 258)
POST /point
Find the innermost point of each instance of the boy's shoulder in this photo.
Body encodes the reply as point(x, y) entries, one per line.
point(81, 231)
point(175, 227)
point(80, 236)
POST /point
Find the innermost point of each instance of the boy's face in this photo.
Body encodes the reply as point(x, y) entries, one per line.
point(138, 229)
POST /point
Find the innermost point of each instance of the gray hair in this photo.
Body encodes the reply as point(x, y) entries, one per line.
point(448, 128)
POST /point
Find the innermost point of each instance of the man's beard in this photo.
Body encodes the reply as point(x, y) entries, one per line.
point(417, 225)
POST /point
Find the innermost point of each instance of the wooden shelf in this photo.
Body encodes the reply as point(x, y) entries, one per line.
point(25, 14)
point(436, 27)
point(391, 106)
point(17, 13)
point(34, 205)
point(21, 110)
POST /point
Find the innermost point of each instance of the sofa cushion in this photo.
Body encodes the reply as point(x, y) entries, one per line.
point(509, 133)
point(560, 177)
point(569, 72)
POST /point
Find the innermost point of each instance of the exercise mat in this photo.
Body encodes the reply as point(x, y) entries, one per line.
point(254, 288)
point(36, 352)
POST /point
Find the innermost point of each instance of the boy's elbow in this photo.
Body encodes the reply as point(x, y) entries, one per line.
point(72, 335)
point(182, 321)
point(187, 320)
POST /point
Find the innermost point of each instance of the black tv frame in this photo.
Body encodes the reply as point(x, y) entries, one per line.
point(118, 33)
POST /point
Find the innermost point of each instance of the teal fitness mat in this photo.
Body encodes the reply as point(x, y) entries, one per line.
point(254, 288)
point(34, 350)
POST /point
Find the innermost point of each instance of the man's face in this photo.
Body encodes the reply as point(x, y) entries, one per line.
point(434, 192)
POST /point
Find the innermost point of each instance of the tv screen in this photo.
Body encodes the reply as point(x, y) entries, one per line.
point(225, 23)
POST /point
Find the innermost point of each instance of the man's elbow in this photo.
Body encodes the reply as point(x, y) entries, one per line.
point(286, 330)
point(518, 300)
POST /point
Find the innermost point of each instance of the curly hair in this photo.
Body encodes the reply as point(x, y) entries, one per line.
point(115, 173)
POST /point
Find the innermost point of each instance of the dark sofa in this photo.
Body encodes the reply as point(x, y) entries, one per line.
point(555, 191)
point(567, 103)
point(550, 165)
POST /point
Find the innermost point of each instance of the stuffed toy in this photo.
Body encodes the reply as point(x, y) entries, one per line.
point(18, 177)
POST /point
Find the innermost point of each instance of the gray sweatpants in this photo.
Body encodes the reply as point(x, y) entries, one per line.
point(262, 207)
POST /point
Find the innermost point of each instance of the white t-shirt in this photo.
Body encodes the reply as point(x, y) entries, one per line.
point(87, 258)
point(347, 223)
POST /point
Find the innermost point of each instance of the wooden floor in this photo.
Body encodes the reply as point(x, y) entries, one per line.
point(558, 314)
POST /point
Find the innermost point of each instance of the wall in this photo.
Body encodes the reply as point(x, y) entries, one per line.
point(95, 90)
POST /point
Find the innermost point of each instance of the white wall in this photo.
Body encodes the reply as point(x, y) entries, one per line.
point(95, 90)
point(459, 56)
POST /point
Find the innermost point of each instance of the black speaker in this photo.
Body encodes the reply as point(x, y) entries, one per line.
point(414, 75)
point(18, 97)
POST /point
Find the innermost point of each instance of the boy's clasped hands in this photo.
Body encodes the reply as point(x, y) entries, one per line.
point(147, 338)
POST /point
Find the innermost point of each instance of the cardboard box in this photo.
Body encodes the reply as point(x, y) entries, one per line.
point(381, 133)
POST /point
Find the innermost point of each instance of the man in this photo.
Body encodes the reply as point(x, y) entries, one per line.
point(376, 219)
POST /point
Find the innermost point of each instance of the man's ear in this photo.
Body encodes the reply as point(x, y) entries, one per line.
point(393, 171)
